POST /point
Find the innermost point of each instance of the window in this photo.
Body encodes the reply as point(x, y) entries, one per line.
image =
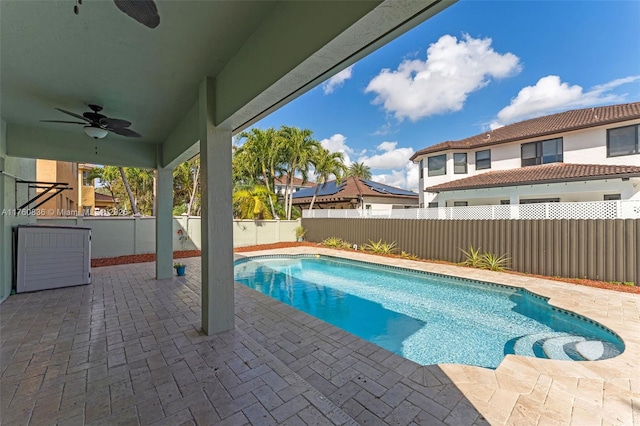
point(433, 205)
point(437, 165)
point(85, 179)
point(460, 163)
point(612, 197)
point(421, 169)
point(505, 202)
point(541, 152)
point(460, 203)
point(483, 159)
point(623, 141)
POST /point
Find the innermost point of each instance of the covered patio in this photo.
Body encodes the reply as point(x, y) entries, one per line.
point(185, 77)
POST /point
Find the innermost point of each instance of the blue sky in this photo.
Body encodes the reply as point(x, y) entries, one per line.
point(474, 66)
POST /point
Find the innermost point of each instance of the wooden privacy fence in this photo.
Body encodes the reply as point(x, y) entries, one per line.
point(596, 249)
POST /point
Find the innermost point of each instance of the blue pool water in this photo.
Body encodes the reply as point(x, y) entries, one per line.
point(425, 317)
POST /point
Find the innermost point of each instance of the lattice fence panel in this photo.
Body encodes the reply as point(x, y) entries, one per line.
point(627, 209)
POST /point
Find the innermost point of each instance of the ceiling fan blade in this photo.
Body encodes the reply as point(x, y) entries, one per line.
point(113, 123)
point(143, 11)
point(93, 116)
point(58, 121)
point(73, 114)
point(125, 132)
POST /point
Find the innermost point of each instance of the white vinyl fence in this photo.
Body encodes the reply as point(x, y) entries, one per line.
point(627, 209)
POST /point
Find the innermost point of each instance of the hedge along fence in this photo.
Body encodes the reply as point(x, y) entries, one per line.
point(606, 250)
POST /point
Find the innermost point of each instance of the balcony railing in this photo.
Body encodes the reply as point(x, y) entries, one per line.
point(626, 209)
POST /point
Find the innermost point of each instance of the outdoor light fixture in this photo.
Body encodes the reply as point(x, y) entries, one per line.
point(95, 132)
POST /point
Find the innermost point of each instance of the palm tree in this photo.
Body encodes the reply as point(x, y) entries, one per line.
point(359, 170)
point(186, 187)
point(250, 202)
point(261, 156)
point(299, 149)
point(327, 164)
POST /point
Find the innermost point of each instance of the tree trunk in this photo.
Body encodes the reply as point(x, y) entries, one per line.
point(313, 200)
point(134, 207)
point(194, 189)
point(266, 183)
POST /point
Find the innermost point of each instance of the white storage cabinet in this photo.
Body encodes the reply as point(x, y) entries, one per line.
point(49, 257)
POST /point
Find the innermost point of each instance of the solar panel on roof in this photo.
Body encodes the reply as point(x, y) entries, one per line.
point(386, 189)
point(328, 188)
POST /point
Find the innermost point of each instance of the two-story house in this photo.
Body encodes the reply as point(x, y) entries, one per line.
point(590, 154)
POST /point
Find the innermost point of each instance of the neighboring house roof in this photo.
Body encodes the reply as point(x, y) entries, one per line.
point(104, 198)
point(351, 188)
point(86, 166)
point(282, 180)
point(542, 126)
point(546, 173)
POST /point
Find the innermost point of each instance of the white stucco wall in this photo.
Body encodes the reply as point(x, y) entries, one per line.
point(121, 236)
point(382, 203)
point(13, 167)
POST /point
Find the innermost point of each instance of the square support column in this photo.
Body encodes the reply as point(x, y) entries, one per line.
point(164, 223)
point(218, 312)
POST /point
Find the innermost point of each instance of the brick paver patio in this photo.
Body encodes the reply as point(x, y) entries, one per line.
point(127, 350)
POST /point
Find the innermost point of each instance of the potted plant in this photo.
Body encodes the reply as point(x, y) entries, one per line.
point(180, 268)
point(300, 233)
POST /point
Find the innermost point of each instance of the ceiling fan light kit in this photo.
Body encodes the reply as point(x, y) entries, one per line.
point(95, 132)
point(96, 125)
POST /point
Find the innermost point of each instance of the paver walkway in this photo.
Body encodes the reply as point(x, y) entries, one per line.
point(127, 350)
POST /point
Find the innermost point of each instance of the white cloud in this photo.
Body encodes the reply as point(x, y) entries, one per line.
point(406, 178)
point(383, 130)
point(387, 146)
point(390, 158)
point(453, 69)
point(337, 80)
point(338, 143)
point(550, 95)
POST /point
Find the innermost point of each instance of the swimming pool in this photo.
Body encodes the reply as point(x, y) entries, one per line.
point(428, 318)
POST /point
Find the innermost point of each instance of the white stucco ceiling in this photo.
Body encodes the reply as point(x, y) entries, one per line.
point(261, 53)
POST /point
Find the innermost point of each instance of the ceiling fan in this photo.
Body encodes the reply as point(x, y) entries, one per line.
point(97, 125)
point(143, 11)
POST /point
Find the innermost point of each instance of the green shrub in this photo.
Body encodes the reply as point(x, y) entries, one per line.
point(493, 262)
point(380, 247)
point(335, 242)
point(473, 257)
point(409, 256)
point(629, 283)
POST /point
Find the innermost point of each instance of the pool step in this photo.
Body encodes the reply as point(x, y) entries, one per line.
point(525, 345)
point(563, 346)
point(554, 348)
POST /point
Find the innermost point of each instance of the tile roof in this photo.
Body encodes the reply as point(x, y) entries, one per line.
point(104, 197)
point(351, 188)
point(542, 126)
point(546, 173)
point(282, 180)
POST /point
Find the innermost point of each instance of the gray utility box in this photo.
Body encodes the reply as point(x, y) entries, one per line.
point(48, 257)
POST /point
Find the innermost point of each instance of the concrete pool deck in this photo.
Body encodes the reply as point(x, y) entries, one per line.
point(525, 390)
point(127, 349)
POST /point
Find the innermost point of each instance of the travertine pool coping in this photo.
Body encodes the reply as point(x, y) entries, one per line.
point(524, 390)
